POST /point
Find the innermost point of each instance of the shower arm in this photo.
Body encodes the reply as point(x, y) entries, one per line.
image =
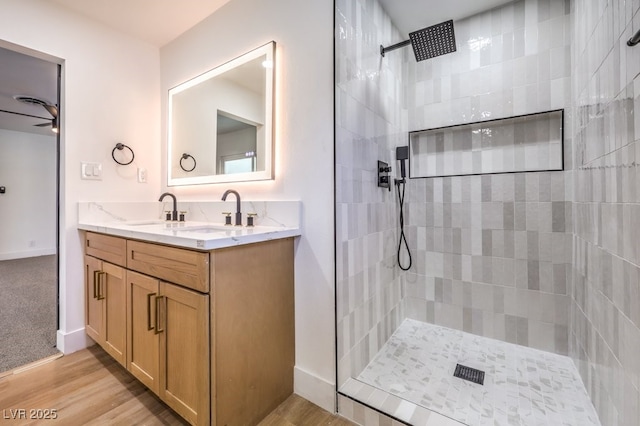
point(384, 50)
point(634, 40)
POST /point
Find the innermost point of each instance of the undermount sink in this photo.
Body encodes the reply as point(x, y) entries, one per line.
point(145, 222)
point(207, 229)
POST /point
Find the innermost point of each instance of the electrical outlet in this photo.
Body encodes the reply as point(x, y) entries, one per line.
point(142, 175)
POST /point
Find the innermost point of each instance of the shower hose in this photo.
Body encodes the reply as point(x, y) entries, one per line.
point(403, 239)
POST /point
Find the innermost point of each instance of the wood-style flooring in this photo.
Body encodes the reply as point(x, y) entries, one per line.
point(90, 388)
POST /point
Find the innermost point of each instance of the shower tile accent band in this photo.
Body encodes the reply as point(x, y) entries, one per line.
point(526, 143)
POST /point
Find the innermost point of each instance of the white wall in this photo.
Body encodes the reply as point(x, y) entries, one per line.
point(195, 113)
point(28, 208)
point(303, 32)
point(111, 91)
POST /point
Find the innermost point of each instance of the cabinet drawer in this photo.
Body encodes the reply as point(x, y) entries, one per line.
point(186, 267)
point(105, 247)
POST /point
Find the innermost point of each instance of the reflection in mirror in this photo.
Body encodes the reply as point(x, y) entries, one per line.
point(224, 119)
point(236, 145)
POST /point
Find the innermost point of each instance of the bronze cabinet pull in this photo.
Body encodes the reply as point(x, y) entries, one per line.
point(96, 277)
point(149, 326)
point(101, 275)
point(158, 322)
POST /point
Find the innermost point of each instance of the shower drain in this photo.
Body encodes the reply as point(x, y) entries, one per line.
point(470, 374)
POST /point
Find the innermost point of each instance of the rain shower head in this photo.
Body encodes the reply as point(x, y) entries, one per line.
point(433, 41)
point(429, 42)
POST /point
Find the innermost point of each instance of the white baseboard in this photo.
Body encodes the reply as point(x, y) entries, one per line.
point(315, 389)
point(73, 341)
point(29, 253)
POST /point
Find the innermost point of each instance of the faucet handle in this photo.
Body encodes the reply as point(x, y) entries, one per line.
point(227, 219)
point(168, 213)
point(182, 213)
point(250, 217)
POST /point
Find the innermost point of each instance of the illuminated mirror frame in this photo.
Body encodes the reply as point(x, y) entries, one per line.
point(173, 157)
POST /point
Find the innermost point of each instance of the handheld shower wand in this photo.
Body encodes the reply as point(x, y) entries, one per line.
point(402, 155)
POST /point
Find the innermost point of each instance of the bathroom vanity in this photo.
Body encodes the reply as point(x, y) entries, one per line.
point(204, 317)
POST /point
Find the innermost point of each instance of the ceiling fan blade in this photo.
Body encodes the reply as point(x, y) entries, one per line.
point(43, 124)
point(52, 109)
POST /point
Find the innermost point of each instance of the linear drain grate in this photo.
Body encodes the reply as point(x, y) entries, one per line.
point(470, 374)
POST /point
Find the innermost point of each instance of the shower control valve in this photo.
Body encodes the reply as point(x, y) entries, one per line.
point(383, 175)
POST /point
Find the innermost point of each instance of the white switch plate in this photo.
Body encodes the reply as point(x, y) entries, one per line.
point(91, 171)
point(142, 175)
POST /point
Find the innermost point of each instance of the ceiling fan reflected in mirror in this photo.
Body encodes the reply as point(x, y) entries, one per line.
point(51, 109)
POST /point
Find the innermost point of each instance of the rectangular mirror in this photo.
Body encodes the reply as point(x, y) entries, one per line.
point(220, 123)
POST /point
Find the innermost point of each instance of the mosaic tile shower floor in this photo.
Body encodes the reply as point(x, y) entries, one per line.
point(522, 386)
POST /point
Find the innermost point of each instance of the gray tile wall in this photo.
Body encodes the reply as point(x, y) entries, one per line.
point(540, 259)
point(605, 314)
point(493, 252)
point(512, 60)
point(370, 121)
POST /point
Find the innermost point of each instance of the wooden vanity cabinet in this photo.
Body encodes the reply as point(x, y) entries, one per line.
point(143, 354)
point(184, 352)
point(252, 331)
point(105, 306)
point(211, 333)
point(168, 341)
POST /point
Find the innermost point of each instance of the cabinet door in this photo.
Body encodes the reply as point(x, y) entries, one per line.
point(184, 352)
point(142, 330)
point(105, 307)
point(111, 289)
point(94, 312)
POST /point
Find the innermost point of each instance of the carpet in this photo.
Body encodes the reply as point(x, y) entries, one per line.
point(28, 310)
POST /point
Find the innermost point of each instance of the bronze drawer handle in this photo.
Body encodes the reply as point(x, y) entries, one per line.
point(149, 326)
point(101, 274)
point(158, 329)
point(96, 277)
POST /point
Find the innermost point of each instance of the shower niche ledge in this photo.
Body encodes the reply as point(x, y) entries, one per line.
point(524, 143)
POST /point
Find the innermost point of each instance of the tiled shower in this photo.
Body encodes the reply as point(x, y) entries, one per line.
point(546, 260)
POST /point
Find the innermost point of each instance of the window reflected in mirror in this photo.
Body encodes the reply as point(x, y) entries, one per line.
point(237, 141)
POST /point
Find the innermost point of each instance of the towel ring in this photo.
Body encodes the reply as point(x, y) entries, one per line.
point(121, 146)
point(184, 157)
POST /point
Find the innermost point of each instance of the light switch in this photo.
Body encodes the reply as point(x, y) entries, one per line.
point(91, 171)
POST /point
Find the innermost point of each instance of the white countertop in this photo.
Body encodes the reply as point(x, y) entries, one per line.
point(190, 234)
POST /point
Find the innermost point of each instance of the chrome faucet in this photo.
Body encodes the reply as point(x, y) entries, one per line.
point(238, 213)
point(174, 213)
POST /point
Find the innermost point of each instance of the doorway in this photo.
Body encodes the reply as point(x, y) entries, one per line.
point(29, 212)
